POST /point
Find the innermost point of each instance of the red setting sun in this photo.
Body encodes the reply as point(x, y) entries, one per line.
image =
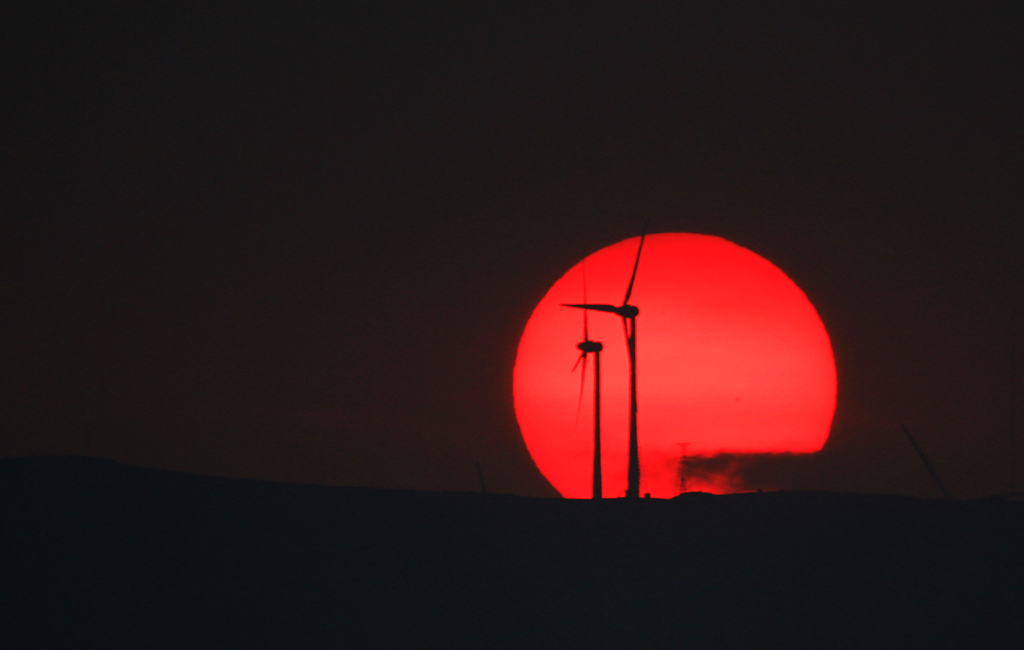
point(731, 357)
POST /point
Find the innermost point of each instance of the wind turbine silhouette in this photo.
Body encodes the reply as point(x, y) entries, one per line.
point(586, 346)
point(628, 314)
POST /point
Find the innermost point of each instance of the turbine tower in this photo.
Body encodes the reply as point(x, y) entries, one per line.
point(586, 346)
point(628, 314)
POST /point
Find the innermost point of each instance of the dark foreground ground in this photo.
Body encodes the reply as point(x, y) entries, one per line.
point(96, 554)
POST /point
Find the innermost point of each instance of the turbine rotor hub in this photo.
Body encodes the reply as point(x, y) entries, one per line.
point(589, 346)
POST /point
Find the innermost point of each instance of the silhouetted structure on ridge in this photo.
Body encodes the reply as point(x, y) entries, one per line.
point(480, 477)
point(681, 470)
point(927, 465)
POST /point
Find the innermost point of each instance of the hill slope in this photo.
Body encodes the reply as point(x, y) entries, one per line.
point(104, 555)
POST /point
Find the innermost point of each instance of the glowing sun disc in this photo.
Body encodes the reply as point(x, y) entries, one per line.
point(731, 358)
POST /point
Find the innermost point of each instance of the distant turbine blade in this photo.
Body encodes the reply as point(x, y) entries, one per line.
point(583, 380)
point(636, 264)
point(583, 358)
point(927, 465)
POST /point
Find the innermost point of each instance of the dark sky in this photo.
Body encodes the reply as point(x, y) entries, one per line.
point(300, 243)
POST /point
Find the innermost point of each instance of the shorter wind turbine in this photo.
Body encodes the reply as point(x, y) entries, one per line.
point(586, 346)
point(628, 314)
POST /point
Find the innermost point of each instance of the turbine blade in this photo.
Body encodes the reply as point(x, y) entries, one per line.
point(583, 358)
point(583, 381)
point(636, 264)
point(609, 308)
point(586, 331)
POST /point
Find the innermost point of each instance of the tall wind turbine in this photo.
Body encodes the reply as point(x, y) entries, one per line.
point(586, 346)
point(628, 314)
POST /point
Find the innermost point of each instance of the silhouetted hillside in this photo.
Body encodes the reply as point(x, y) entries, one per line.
point(97, 554)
